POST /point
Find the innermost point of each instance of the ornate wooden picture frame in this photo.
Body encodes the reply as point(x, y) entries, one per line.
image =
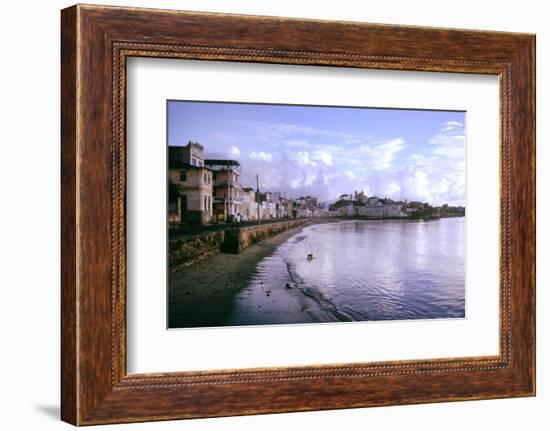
point(96, 41)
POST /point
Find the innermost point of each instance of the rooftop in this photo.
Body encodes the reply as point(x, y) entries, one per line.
point(221, 162)
point(179, 164)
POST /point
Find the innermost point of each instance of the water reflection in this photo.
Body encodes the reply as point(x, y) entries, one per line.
point(361, 270)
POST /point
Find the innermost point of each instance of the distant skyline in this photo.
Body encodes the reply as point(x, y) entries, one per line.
point(330, 151)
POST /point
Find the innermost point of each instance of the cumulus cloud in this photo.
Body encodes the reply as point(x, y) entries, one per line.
point(324, 157)
point(234, 151)
point(261, 156)
point(381, 156)
point(301, 160)
point(437, 175)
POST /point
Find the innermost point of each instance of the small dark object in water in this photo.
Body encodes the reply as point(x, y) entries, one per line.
point(310, 256)
point(288, 286)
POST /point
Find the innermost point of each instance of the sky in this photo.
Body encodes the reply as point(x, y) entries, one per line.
point(329, 151)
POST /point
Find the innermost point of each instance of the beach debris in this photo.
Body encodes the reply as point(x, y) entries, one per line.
point(310, 256)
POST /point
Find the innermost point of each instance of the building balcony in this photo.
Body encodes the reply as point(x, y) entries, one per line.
point(226, 183)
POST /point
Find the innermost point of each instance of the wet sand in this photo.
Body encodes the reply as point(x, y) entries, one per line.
point(203, 294)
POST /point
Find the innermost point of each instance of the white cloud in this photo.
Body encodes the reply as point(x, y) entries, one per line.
point(261, 156)
point(327, 164)
point(323, 156)
point(350, 175)
point(275, 132)
point(234, 151)
point(393, 190)
point(379, 156)
point(451, 132)
point(453, 124)
point(282, 130)
point(302, 158)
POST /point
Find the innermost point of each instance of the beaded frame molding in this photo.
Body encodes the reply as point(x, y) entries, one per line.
point(95, 43)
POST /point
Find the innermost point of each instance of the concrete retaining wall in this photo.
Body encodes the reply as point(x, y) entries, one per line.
point(186, 252)
point(236, 240)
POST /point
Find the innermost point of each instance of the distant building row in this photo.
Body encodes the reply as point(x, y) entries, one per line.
point(359, 205)
point(203, 190)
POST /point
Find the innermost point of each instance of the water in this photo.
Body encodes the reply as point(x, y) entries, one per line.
point(360, 270)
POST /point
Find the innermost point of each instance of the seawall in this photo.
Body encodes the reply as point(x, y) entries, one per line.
point(188, 251)
point(236, 240)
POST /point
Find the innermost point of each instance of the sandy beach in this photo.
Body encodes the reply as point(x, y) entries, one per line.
point(204, 294)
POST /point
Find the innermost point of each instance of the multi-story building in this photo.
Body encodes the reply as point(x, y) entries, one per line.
point(373, 200)
point(189, 185)
point(380, 210)
point(360, 196)
point(227, 199)
point(249, 205)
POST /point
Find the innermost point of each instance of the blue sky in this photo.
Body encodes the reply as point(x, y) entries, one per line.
point(329, 151)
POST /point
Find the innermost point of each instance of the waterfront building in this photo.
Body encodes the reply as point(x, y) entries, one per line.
point(306, 206)
point(381, 211)
point(189, 185)
point(280, 207)
point(373, 200)
point(360, 196)
point(287, 208)
point(267, 206)
point(249, 204)
point(227, 199)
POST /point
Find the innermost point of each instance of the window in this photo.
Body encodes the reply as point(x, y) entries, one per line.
point(183, 175)
point(205, 203)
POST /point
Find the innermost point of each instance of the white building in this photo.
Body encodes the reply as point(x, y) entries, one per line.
point(380, 211)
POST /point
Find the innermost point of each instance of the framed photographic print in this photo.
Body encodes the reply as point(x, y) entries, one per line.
point(321, 214)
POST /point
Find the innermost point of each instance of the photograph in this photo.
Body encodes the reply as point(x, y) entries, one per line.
point(298, 214)
point(306, 214)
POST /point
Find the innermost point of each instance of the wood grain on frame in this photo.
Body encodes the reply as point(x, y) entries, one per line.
point(95, 42)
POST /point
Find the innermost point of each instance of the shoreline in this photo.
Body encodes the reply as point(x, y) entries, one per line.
point(206, 293)
point(202, 295)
